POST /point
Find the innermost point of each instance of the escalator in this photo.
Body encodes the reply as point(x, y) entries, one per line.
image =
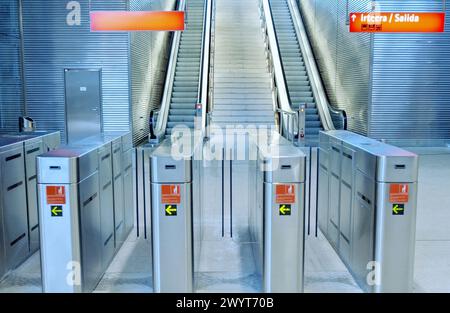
point(297, 72)
point(186, 78)
point(297, 80)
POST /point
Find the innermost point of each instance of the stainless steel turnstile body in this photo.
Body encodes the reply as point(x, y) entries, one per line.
point(171, 200)
point(367, 208)
point(282, 170)
point(19, 226)
point(88, 221)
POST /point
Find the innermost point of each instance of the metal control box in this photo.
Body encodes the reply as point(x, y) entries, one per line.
point(283, 175)
point(367, 208)
point(70, 219)
point(19, 225)
point(171, 200)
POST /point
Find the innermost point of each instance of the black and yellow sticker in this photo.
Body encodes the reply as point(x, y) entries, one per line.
point(285, 209)
point(171, 210)
point(56, 210)
point(398, 209)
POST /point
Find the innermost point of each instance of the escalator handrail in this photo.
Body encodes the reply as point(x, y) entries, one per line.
point(161, 124)
point(284, 102)
point(202, 94)
point(319, 93)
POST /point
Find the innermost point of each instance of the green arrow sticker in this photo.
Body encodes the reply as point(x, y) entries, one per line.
point(285, 209)
point(56, 210)
point(398, 209)
point(171, 210)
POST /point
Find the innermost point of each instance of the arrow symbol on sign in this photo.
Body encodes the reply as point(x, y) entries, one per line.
point(170, 210)
point(284, 209)
point(396, 209)
point(354, 17)
point(56, 210)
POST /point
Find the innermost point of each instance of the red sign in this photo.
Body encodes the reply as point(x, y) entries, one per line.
point(170, 194)
point(56, 195)
point(285, 194)
point(398, 193)
point(397, 22)
point(137, 21)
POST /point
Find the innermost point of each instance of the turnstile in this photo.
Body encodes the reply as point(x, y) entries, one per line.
point(367, 208)
point(172, 238)
point(78, 191)
point(283, 195)
point(19, 226)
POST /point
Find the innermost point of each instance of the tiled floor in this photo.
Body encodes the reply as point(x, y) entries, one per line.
point(228, 266)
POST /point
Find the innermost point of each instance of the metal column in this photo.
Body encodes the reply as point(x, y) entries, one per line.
point(284, 218)
point(171, 192)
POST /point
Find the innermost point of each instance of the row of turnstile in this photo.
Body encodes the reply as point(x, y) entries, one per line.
point(366, 202)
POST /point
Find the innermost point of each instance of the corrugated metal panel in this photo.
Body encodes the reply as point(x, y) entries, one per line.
point(149, 54)
point(354, 53)
point(11, 96)
point(343, 59)
point(411, 80)
point(51, 46)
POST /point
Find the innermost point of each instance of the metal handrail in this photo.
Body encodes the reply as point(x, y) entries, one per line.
point(324, 107)
point(210, 104)
point(161, 124)
point(203, 90)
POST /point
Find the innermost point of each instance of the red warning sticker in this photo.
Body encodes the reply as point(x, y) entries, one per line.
point(398, 193)
point(285, 194)
point(56, 195)
point(170, 194)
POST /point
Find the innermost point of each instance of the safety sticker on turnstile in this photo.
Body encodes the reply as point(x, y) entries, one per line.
point(285, 209)
point(398, 193)
point(285, 194)
point(398, 209)
point(56, 210)
point(171, 209)
point(170, 194)
point(56, 195)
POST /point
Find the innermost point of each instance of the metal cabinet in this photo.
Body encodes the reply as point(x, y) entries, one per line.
point(91, 239)
point(106, 204)
point(32, 150)
point(371, 200)
point(13, 206)
point(118, 192)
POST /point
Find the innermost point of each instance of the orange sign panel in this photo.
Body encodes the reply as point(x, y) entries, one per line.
point(398, 193)
point(170, 194)
point(285, 194)
point(56, 195)
point(137, 21)
point(397, 22)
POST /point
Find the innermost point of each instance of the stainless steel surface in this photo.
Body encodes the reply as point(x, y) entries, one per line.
point(44, 81)
point(26, 124)
point(90, 228)
point(106, 204)
point(148, 61)
point(60, 243)
point(93, 168)
point(32, 150)
point(283, 237)
point(83, 103)
point(374, 239)
point(13, 204)
point(172, 236)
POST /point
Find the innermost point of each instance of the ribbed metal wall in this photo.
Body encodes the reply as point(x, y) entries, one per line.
point(354, 54)
point(149, 55)
point(11, 97)
point(50, 46)
point(393, 86)
point(343, 59)
point(411, 79)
